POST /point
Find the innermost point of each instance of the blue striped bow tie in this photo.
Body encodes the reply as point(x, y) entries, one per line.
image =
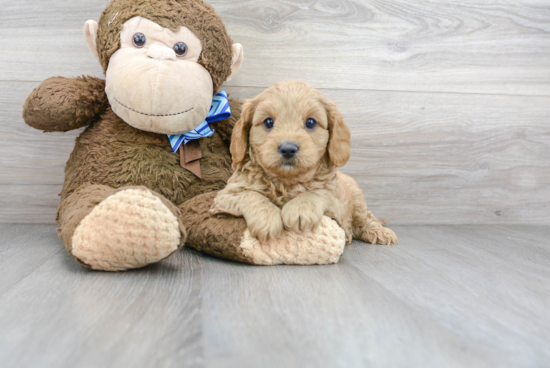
point(219, 110)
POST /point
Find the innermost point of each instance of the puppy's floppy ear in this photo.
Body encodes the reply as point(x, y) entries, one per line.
point(239, 138)
point(339, 143)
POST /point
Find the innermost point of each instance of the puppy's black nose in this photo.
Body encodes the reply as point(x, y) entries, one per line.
point(288, 149)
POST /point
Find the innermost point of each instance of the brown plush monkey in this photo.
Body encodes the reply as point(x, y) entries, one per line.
point(128, 200)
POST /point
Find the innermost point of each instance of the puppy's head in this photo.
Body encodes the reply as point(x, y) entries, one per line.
point(290, 128)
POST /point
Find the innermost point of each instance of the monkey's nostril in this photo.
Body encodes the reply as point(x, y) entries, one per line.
point(288, 150)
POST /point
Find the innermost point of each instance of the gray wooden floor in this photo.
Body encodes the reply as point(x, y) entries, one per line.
point(446, 296)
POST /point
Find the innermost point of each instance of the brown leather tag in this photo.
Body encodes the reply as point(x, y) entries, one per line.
point(192, 151)
point(190, 155)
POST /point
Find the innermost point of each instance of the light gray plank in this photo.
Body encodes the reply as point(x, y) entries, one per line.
point(422, 303)
point(471, 46)
point(426, 158)
point(420, 158)
point(63, 315)
point(58, 13)
point(328, 316)
point(447, 296)
point(29, 203)
point(65, 54)
point(21, 251)
point(489, 285)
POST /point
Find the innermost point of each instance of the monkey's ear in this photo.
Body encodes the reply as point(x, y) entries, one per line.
point(339, 144)
point(90, 34)
point(239, 139)
point(237, 61)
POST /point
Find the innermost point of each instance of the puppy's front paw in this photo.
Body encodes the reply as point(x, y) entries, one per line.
point(301, 216)
point(267, 226)
point(379, 235)
point(215, 210)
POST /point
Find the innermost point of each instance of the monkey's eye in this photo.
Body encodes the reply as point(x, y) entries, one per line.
point(268, 123)
point(311, 124)
point(180, 48)
point(139, 40)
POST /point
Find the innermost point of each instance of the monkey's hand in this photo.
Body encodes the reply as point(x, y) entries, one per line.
point(61, 104)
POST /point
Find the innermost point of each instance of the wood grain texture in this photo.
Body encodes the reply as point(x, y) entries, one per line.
point(21, 252)
point(445, 296)
point(448, 102)
point(471, 46)
point(473, 282)
point(420, 158)
point(67, 316)
point(29, 203)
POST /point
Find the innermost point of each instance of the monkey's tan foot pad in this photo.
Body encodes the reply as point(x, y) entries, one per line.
point(324, 245)
point(129, 229)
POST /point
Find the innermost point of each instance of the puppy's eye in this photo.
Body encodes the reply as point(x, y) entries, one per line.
point(139, 40)
point(311, 123)
point(268, 123)
point(180, 48)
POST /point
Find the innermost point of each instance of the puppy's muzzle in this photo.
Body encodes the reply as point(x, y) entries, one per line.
point(288, 150)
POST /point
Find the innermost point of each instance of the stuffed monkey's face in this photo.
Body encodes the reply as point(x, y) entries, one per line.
point(154, 82)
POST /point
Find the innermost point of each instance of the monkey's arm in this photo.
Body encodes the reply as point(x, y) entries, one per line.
point(225, 127)
point(61, 104)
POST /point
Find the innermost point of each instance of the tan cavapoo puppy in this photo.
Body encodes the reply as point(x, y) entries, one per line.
point(286, 148)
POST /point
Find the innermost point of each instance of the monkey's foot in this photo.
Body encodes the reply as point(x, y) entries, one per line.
point(323, 245)
point(129, 229)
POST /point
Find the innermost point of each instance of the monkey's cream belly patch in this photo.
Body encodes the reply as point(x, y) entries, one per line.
point(129, 229)
point(323, 245)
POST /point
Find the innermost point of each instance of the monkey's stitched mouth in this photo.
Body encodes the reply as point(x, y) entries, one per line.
point(142, 113)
